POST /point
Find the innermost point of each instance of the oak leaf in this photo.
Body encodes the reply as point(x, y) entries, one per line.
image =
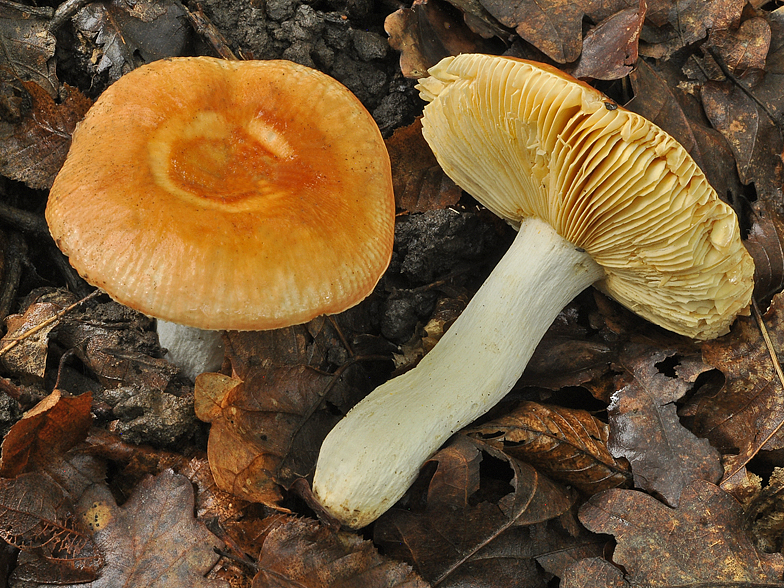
point(152, 540)
point(745, 414)
point(644, 426)
point(702, 542)
point(38, 517)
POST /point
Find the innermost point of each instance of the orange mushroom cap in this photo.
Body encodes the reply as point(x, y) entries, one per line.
point(241, 195)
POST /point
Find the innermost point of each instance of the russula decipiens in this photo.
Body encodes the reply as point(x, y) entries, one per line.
point(601, 196)
point(226, 195)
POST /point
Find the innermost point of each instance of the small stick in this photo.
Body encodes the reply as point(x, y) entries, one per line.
point(47, 322)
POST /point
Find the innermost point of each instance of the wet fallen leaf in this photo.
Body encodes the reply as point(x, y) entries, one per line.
point(745, 414)
point(554, 26)
point(33, 149)
point(301, 553)
point(419, 182)
point(568, 445)
point(610, 49)
point(268, 421)
point(644, 427)
point(38, 517)
point(45, 432)
point(702, 542)
point(466, 519)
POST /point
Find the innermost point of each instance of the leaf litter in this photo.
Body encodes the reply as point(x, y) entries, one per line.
point(640, 460)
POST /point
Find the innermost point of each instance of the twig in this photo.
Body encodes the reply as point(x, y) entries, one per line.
point(42, 325)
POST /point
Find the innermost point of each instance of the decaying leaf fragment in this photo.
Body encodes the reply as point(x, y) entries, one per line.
point(702, 542)
point(38, 517)
point(153, 539)
point(568, 445)
point(302, 553)
point(464, 515)
point(745, 415)
point(28, 356)
point(426, 33)
point(644, 426)
point(33, 149)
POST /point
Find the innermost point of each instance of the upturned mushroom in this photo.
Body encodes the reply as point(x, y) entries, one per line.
point(600, 196)
point(226, 195)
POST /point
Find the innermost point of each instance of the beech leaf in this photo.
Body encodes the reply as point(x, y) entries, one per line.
point(568, 445)
point(301, 553)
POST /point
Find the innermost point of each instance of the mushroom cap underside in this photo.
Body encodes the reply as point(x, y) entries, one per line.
point(527, 140)
point(227, 194)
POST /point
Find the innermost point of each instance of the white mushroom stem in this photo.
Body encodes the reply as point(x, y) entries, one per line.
point(193, 350)
point(368, 461)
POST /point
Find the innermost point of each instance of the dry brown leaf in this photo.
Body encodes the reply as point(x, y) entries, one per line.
point(426, 33)
point(743, 50)
point(268, 421)
point(678, 24)
point(153, 539)
point(745, 415)
point(644, 427)
point(566, 444)
point(610, 49)
point(419, 182)
point(466, 519)
point(570, 354)
point(752, 135)
point(593, 573)
point(29, 335)
point(38, 517)
point(33, 149)
point(702, 542)
point(28, 46)
point(47, 431)
point(554, 26)
point(765, 243)
point(300, 553)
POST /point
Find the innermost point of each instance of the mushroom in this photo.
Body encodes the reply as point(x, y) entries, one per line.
point(600, 196)
point(226, 195)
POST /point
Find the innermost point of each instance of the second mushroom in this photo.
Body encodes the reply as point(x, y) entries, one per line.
point(600, 196)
